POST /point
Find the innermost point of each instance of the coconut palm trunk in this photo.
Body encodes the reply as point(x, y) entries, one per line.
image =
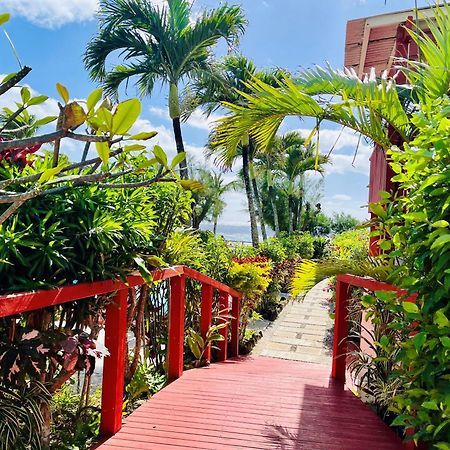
point(273, 204)
point(290, 213)
point(250, 195)
point(258, 206)
point(175, 113)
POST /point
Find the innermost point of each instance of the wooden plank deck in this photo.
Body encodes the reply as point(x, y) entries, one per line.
point(254, 403)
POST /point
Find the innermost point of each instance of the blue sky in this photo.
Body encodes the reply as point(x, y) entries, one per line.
point(51, 35)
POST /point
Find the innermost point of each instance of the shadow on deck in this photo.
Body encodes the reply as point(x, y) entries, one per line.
point(254, 403)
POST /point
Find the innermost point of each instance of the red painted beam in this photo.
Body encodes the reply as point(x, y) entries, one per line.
point(235, 322)
point(224, 310)
point(175, 347)
point(206, 316)
point(114, 365)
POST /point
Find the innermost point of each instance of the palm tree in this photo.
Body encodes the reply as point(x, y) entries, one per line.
point(159, 43)
point(376, 108)
point(209, 203)
point(226, 83)
point(298, 159)
point(266, 166)
point(219, 188)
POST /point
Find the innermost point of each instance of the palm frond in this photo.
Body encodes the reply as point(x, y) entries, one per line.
point(431, 77)
point(365, 107)
point(309, 273)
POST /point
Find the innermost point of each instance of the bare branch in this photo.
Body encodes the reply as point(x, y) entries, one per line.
point(50, 137)
point(20, 75)
point(11, 210)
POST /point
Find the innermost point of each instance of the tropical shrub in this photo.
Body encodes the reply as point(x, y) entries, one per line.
point(298, 244)
point(349, 245)
point(75, 424)
point(21, 421)
point(273, 249)
point(251, 277)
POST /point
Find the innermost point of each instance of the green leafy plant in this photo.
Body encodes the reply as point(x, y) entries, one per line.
point(21, 421)
point(198, 345)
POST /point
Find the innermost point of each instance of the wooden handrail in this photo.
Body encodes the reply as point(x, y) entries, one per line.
point(341, 323)
point(116, 325)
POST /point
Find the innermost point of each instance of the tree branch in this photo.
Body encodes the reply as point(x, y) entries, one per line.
point(36, 176)
point(50, 137)
point(20, 75)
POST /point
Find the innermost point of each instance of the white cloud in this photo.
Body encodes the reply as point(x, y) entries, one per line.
point(341, 197)
point(52, 13)
point(344, 145)
point(196, 120)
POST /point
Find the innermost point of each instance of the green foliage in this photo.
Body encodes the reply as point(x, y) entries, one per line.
point(81, 235)
point(299, 244)
point(308, 273)
point(341, 222)
point(418, 226)
point(21, 421)
point(145, 382)
point(349, 245)
point(273, 249)
point(198, 345)
point(74, 425)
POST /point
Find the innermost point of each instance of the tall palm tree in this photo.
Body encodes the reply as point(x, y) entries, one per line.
point(159, 43)
point(226, 83)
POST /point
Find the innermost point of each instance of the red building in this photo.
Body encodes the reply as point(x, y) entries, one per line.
point(383, 43)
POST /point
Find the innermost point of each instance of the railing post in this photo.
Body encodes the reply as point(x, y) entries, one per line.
point(224, 309)
point(114, 364)
point(206, 316)
point(176, 328)
point(340, 331)
point(235, 321)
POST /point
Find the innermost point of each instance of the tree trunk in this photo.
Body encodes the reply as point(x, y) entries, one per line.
point(215, 226)
point(258, 202)
point(276, 222)
point(250, 197)
point(290, 214)
point(295, 219)
point(180, 146)
point(300, 208)
point(175, 113)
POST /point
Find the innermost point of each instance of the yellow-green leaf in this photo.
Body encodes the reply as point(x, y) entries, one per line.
point(143, 136)
point(25, 94)
point(103, 151)
point(4, 18)
point(177, 159)
point(63, 92)
point(440, 241)
point(49, 173)
point(191, 185)
point(440, 224)
point(93, 98)
point(134, 148)
point(410, 307)
point(125, 115)
point(160, 155)
point(106, 118)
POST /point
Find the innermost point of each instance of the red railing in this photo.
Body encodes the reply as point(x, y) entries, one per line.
point(116, 325)
point(341, 319)
point(341, 325)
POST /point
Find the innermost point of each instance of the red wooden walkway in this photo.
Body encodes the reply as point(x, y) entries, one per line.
point(254, 403)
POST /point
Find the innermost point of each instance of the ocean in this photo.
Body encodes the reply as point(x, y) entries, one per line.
point(236, 233)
